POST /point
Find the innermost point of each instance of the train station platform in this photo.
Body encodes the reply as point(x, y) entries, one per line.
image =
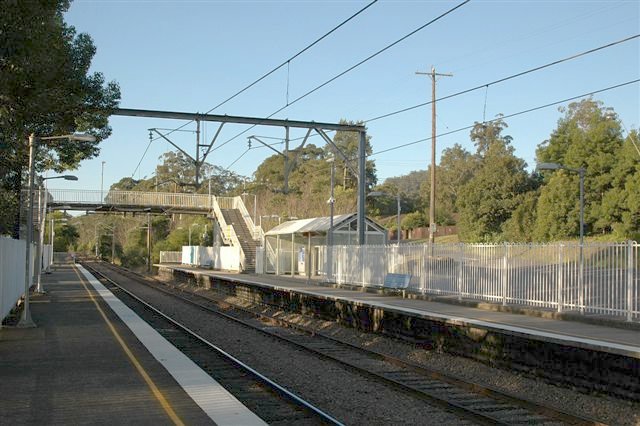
point(89, 361)
point(595, 354)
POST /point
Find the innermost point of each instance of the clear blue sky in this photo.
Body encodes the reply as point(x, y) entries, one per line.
point(191, 55)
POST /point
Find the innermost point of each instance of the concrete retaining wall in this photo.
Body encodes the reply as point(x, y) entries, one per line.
point(557, 363)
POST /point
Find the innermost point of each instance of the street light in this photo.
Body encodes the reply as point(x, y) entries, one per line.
point(581, 172)
point(25, 318)
point(397, 196)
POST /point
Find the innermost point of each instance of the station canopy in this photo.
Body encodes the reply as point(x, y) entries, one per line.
point(344, 230)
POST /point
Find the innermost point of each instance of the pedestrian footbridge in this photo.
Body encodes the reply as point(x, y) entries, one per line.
point(236, 226)
point(132, 201)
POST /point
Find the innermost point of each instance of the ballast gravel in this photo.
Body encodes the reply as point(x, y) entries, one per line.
point(359, 401)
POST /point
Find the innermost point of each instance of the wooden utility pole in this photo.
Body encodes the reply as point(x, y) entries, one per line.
point(432, 196)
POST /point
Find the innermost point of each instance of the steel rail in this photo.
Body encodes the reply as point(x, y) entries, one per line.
point(262, 378)
point(470, 386)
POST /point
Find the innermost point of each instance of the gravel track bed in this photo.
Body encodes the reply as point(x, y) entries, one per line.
point(606, 409)
point(347, 396)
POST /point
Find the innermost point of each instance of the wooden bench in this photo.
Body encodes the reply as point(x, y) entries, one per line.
point(397, 281)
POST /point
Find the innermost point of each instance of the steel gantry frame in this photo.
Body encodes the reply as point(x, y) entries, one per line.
point(320, 128)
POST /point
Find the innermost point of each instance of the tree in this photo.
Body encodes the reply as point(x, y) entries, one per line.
point(457, 167)
point(348, 143)
point(588, 136)
point(408, 186)
point(489, 198)
point(45, 88)
point(621, 204)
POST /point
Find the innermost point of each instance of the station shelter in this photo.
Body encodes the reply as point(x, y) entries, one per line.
point(299, 247)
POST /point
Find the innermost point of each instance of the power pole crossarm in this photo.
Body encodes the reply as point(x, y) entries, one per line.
point(432, 196)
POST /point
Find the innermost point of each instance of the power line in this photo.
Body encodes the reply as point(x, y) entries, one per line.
point(384, 49)
point(286, 62)
point(501, 80)
point(319, 172)
point(509, 116)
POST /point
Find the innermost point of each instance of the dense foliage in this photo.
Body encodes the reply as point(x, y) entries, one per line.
point(45, 89)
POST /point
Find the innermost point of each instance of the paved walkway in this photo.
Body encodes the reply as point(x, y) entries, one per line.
point(84, 365)
point(575, 333)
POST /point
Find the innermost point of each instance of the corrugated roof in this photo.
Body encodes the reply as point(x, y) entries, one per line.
point(315, 224)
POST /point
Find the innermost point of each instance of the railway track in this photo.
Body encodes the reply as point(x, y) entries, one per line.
point(270, 401)
point(471, 401)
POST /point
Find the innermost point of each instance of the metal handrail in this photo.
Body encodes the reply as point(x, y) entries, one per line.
point(255, 230)
point(229, 237)
point(114, 197)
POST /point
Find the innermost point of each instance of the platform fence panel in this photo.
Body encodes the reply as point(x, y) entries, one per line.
point(598, 278)
point(12, 270)
point(170, 257)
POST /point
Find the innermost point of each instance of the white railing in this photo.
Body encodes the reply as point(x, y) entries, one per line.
point(552, 276)
point(12, 270)
point(256, 231)
point(228, 234)
point(170, 257)
point(226, 203)
point(130, 198)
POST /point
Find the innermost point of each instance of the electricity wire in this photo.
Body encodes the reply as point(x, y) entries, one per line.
point(510, 77)
point(267, 75)
point(332, 79)
point(508, 116)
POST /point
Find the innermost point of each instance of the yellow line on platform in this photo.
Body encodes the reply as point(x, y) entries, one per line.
point(152, 386)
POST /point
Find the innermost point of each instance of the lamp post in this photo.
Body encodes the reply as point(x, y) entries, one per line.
point(581, 172)
point(25, 318)
point(397, 196)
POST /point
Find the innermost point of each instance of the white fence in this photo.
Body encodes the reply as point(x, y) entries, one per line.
point(599, 279)
point(170, 257)
point(12, 269)
point(228, 258)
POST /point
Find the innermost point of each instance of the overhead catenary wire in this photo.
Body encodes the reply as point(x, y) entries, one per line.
point(286, 62)
point(485, 85)
point(351, 68)
point(500, 80)
point(508, 116)
point(267, 74)
point(529, 110)
point(503, 79)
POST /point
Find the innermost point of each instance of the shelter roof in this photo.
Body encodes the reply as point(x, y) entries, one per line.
point(313, 225)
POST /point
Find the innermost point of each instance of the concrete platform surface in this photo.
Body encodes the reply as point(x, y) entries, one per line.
point(72, 369)
point(622, 341)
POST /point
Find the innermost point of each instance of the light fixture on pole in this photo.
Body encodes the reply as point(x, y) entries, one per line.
point(581, 173)
point(397, 196)
point(25, 318)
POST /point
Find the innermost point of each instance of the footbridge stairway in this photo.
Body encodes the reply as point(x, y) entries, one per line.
point(234, 218)
point(236, 225)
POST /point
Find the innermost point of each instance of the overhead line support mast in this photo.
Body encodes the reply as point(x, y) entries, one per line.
point(319, 127)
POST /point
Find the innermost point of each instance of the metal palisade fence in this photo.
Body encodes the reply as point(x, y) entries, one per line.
point(599, 278)
point(12, 271)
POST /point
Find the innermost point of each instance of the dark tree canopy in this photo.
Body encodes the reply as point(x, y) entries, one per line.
point(46, 89)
